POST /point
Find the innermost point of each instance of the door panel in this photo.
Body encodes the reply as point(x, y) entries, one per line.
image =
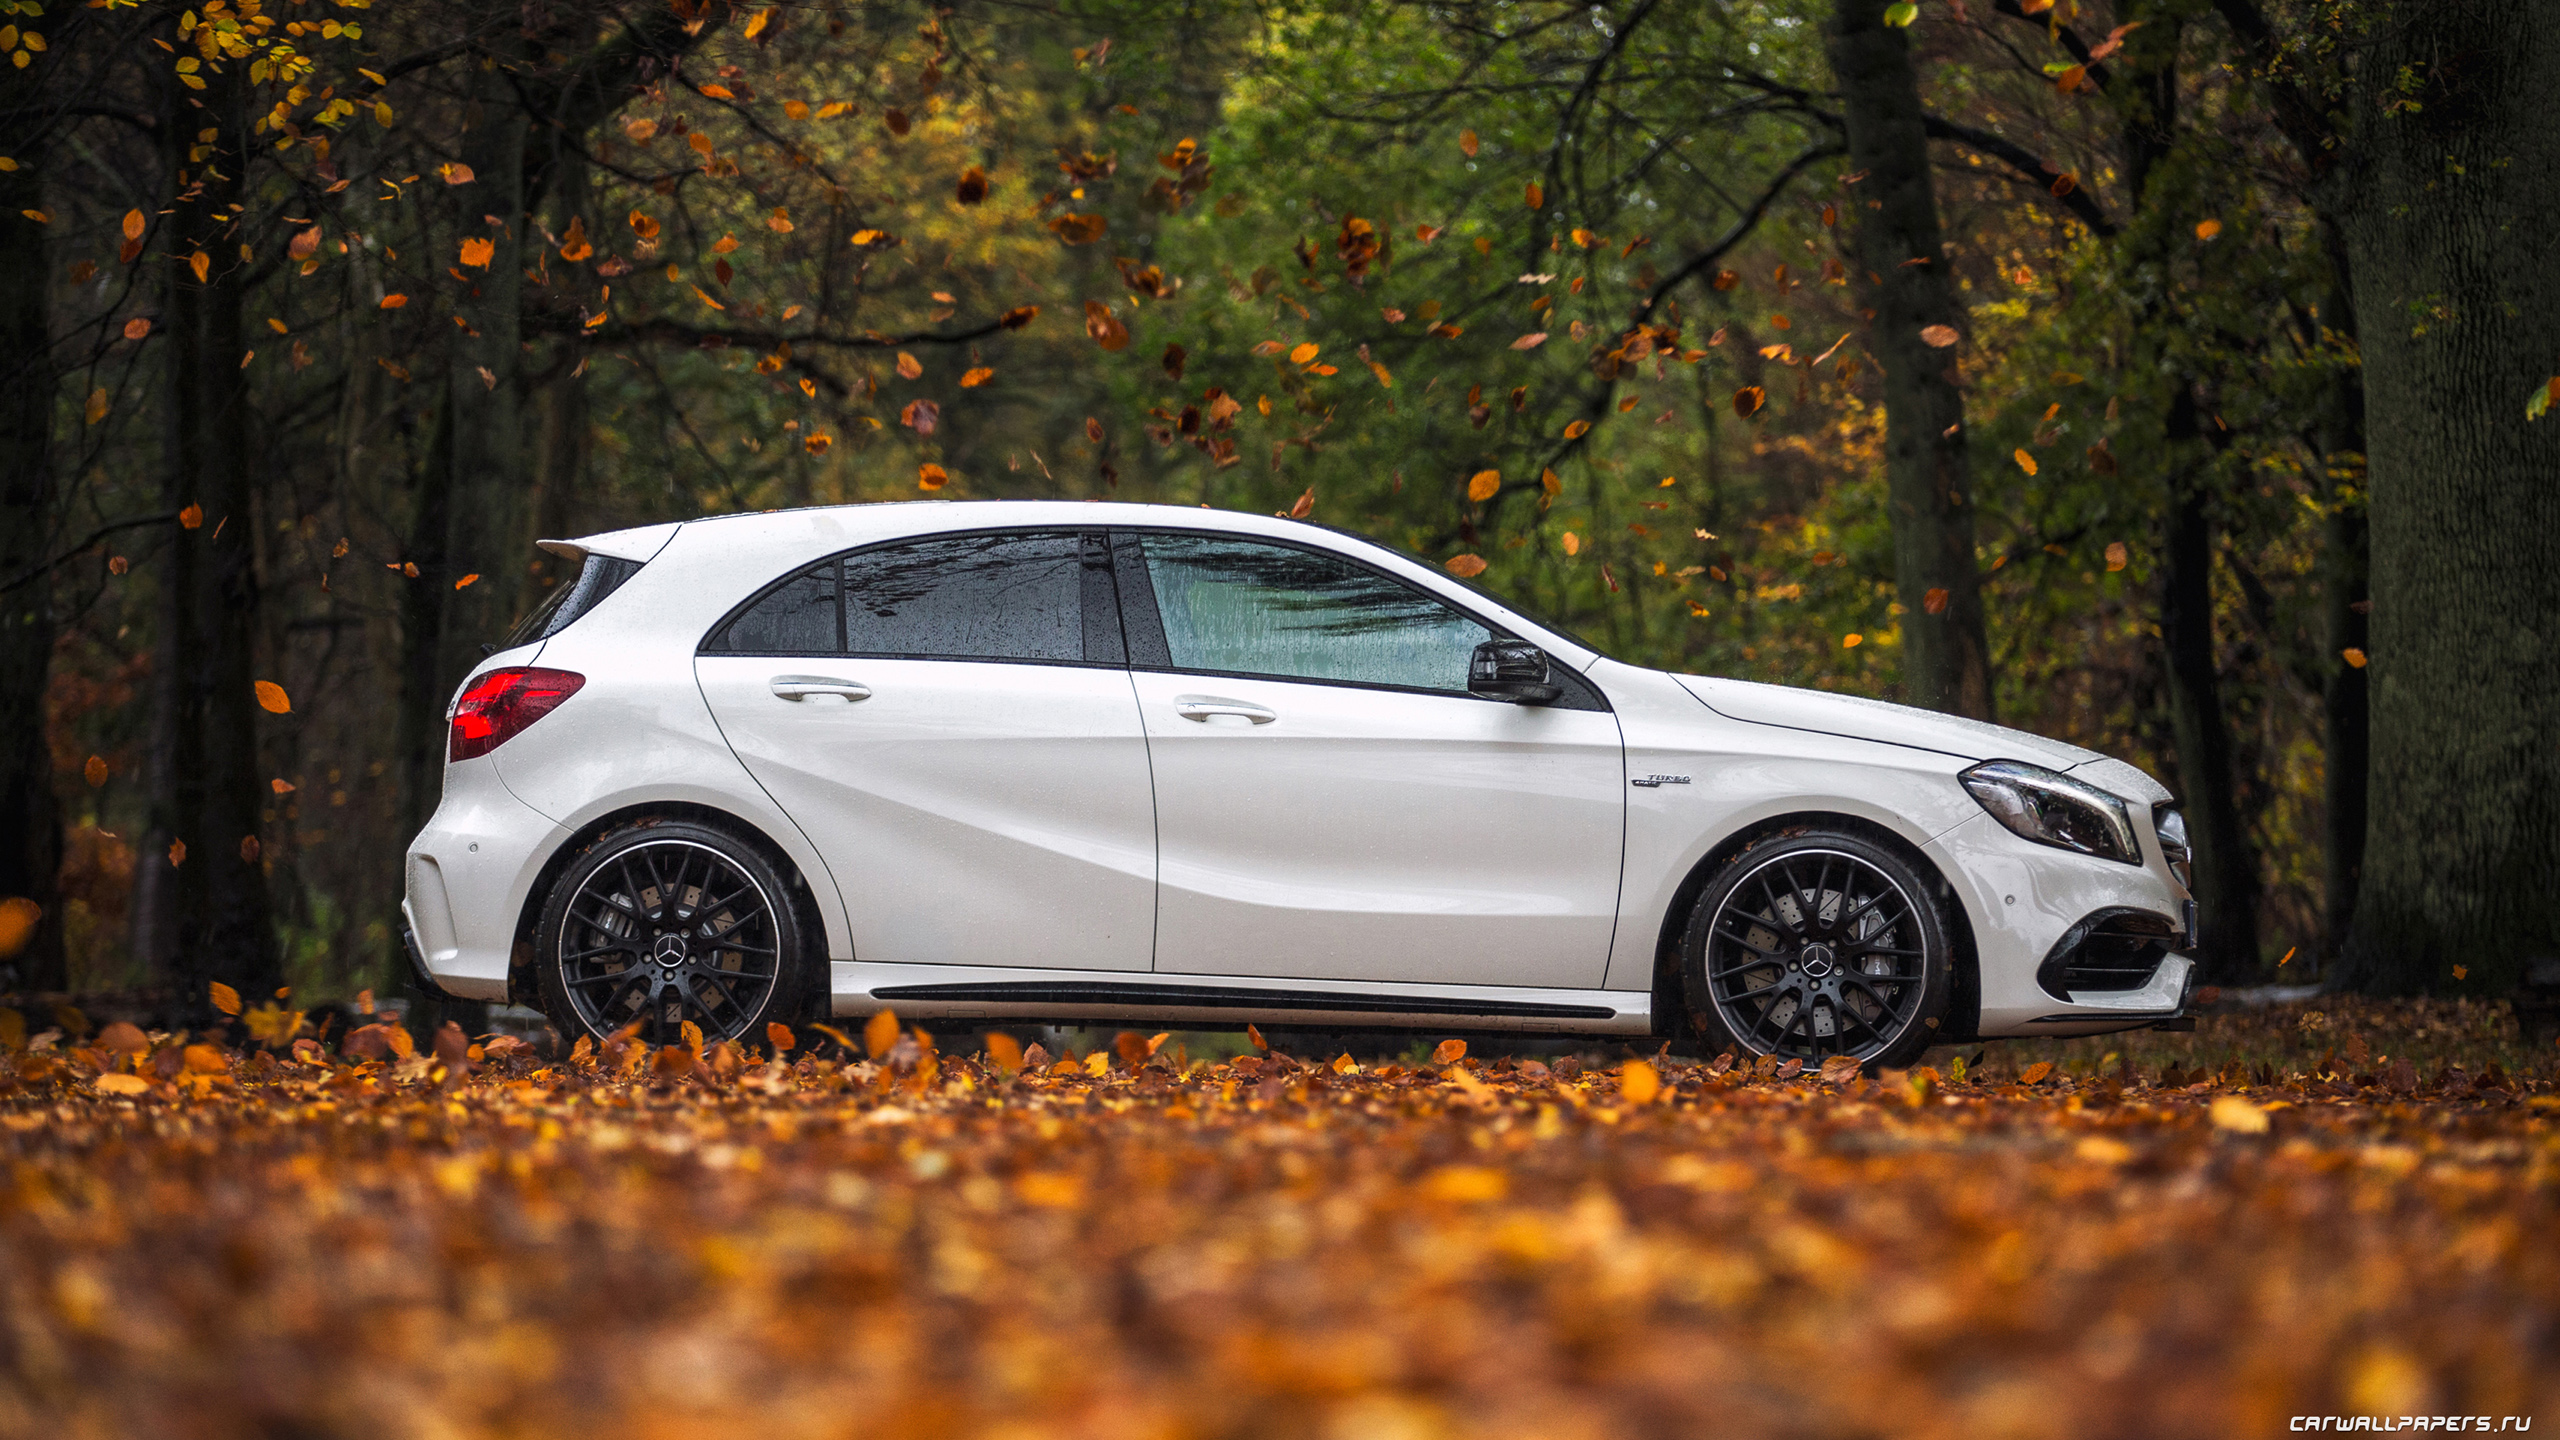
point(974, 813)
point(1381, 834)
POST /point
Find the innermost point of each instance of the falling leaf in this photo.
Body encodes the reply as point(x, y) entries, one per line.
point(1303, 353)
point(2461, 972)
point(1018, 317)
point(1748, 400)
point(2117, 556)
point(1467, 142)
point(133, 223)
point(1572, 543)
point(95, 409)
point(644, 224)
point(1534, 195)
point(271, 696)
point(191, 518)
point(921, 416)
point(304, 244)
point(1484, 484)
point(478, 250)
point(281, 786)
point(1639, 1082)
point(975, 376)
point(225, 999)
point(909, 367)
point(95, 772)
point(1174, 358)
point(1577, 429)
point(1305, 506)
point(818, 443)
point(930, 476)
point(879, 1033)
point(1530, 342)
point(136, 328)
point(1449, 1052)
point(2035, 1074)
point(1074, 229)
point(2025, 461)
point(2063, 184)
point(574, 245)
point(972, 187)
point(177, 852)
point(1852, 640)
point(1938, 336)
point(2207, 228)
point(394, 302)
point(1901, 13)
point(456, 173)
point(466, 580)
point(2354, 657)
point(1465, 567)
point(1105, 327)
point(1935, 602)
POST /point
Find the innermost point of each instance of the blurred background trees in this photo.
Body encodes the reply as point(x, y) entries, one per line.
point(2000, 357)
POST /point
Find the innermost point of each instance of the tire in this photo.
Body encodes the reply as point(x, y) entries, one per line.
point(661, 923)
point(1817, 943)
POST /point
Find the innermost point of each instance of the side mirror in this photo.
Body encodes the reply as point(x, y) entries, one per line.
point(1512, 670)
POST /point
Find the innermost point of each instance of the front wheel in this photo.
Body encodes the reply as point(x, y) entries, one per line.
point(1818, 943)
point(667, 924)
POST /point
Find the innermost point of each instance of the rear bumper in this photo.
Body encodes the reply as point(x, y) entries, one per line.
point(470, 874)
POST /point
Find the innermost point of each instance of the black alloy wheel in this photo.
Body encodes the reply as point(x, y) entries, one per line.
point(1817, 944)
point(668, 924)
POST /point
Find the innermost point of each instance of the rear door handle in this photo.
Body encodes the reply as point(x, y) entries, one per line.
point(801, 687)
point(1201, 707)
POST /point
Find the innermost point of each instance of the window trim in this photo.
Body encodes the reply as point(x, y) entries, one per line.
point(1143, 623)
point(1087, 595)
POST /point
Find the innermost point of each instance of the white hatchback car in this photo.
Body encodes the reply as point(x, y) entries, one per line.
point(1102, 763)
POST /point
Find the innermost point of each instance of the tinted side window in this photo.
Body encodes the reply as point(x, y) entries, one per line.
point(797, 617)
point(968, 597)
point(600, 576)
point(1250, 608)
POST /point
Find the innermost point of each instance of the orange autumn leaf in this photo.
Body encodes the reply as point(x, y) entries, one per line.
point(1105, 328)
point(1484, 484)
point(95, 771)
point(1534, 195)
point(1577, 429)
point(478, 250)
point(574, 245)
point(975, 376)
point(191, 518)
point(909, 367)
point(2025, 461)
point(1938, 336)
point(272, 699)
point(931, 477)
point(1465, 567)
point(1935, 602)
point(225, 999)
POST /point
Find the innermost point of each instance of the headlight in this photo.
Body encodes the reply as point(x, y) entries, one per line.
point(2051, 808)
point(2172, 829)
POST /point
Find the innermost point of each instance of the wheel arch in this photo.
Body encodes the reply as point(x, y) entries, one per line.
point(1671, 1016)
point(520, 984)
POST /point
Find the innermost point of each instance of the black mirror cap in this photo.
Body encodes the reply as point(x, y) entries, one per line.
point(1511, 670)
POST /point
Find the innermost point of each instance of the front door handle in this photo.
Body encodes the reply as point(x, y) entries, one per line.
point(801, 687)
point(1201, 707)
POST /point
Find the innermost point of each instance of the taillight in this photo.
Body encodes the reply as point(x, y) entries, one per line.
point(501, 704)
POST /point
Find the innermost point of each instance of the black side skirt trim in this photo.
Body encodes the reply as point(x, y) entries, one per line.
point(1089, 992)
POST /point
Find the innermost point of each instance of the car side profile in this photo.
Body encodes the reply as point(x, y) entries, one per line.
point(1055, 762)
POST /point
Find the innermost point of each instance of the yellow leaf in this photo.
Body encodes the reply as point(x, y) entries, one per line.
point(2354, 657)
point(1303, 353)
point(880, 1033)
point(1572, 543)
point(272, 699)
point(1639, 1082)
point(201, 264)
point(1466, 1184)
point(1484, 484)
point(2230, 1112)
point(122, 1084)
point(2025, 461)
point(225, 999)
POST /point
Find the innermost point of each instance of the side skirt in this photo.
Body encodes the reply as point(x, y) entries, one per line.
point(957, 992)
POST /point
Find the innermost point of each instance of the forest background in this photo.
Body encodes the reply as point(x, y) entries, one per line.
point(2166, 375)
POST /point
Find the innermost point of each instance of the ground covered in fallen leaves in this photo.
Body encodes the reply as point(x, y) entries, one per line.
point(394, 1241)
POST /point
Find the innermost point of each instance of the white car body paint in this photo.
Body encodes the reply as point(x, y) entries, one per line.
point(1448, 861)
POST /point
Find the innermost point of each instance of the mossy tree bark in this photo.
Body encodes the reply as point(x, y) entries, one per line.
point(1894, 213)
point(2451, 215)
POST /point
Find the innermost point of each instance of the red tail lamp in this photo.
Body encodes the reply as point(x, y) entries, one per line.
point(500, 704)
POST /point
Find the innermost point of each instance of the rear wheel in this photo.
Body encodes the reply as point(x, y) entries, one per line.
point(668, 924)
point(1818, 943)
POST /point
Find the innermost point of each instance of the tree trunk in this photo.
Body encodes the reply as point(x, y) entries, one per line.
point(2343, 567)
point(30, 822)
point(2226, 872)
point(225, 927)
point(2452, 202)
point(1946, 659)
